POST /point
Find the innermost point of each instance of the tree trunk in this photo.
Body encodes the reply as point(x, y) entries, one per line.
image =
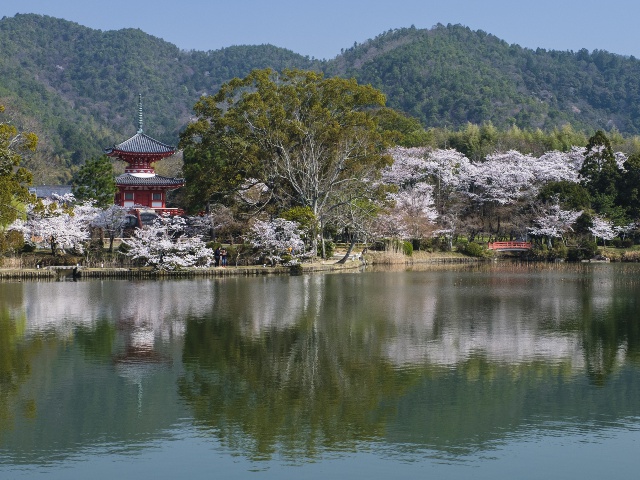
point(324, 252)
point(346, 255)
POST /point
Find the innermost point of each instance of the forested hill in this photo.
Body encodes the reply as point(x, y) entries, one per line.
point(77, 88)
point(447, 76)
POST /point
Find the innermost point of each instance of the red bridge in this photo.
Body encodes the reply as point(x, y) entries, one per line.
point(509, 246)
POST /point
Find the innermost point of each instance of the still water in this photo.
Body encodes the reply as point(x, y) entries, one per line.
point(496, 371)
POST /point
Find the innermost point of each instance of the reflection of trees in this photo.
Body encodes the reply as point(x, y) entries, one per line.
point(96, 341)
point(449, 361)
point(15, 367)
point(609, 336)
point(303, 387)
point(335, 371)
point(609, 323)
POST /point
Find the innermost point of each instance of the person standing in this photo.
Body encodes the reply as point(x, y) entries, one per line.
point(216, 257)
point(223, 256)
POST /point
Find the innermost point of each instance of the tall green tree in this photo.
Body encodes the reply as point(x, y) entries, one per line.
point(305, 138)
point(94, 181)
point(629, 186)
point(14, 179)
point(600, 172)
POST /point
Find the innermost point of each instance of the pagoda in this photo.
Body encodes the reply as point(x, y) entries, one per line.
point(139, 187)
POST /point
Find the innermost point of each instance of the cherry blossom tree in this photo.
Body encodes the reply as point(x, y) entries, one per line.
point(623, 230)
point(504, 178)
point(391, 224)
point(276, 237)
point(428, 183)
point(554, 222)
point(111, 220)
point(163, 246)
point(57, 223)
point(409, 166)
point(414, 213)
point(602, 228)
point(556, 166)
point(451, 173)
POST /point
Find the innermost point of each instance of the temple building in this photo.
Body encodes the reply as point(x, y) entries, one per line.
point(139, 187)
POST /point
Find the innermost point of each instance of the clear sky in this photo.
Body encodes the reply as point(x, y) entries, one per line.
point(322, 27)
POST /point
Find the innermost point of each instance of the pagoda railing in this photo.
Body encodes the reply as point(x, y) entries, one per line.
point(136, 209)
point(169, 211)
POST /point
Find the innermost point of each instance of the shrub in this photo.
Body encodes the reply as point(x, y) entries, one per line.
point(11, 241)
point(407, 248)
point(461, 245)
point(590, 248)
point(574, 254)
point(443, 244)
point(559, 251)
point(28, 248)
point(426, 245)
point(296, 269)
point(329, 248)
point(474, 249)
point(584, 251)
point(124, 248)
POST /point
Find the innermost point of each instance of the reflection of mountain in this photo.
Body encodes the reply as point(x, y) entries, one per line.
point(453, 361)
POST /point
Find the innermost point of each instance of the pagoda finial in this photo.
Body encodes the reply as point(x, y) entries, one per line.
point(139, 113)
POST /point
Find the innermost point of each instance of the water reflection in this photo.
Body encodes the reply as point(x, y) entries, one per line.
point(450, 361)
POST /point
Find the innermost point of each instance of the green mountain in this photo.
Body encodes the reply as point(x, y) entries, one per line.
point(448, 76)
point(77, 88)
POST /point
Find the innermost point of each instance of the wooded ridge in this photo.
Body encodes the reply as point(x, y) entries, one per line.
point(77, 88)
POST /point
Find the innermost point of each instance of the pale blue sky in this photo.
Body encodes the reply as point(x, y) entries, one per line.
point(320, 29)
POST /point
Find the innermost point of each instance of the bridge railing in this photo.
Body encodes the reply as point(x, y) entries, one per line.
point(509, 245)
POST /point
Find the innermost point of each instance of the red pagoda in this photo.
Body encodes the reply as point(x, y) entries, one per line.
point(139, 187)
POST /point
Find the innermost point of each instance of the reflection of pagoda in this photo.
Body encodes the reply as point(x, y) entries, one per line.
point(139, 186)
point(140, 360)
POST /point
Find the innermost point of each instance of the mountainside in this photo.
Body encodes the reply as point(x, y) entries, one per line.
point(448, 76)
point(77, 88)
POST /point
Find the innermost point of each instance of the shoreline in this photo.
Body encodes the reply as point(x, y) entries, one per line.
point(49, 273)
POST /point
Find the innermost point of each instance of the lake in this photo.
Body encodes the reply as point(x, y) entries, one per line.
point(496, 371)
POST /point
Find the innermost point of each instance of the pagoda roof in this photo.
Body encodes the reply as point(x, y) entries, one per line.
point(155, 180)
point(143, 144)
